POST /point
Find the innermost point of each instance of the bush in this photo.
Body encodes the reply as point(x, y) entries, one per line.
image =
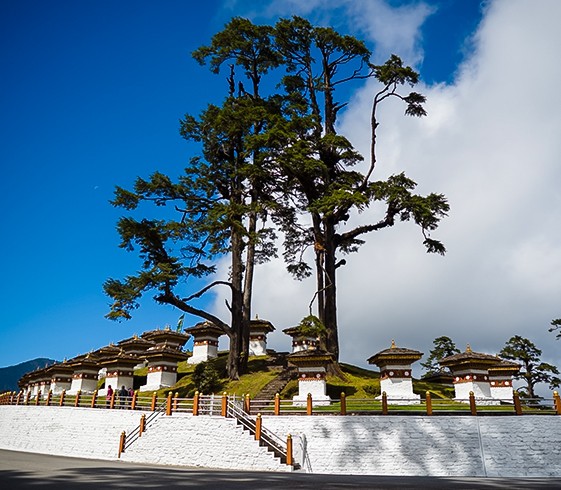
point(372, 390)
point(206, 378)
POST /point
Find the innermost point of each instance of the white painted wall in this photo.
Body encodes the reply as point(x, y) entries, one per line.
point(419, 445)
point(525, 445)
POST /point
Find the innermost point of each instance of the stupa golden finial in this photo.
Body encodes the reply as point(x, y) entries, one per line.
point(393, 344)
point(468, 349)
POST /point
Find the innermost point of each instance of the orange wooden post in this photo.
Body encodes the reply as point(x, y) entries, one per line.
point(309, 404)
point(18, 399)
point(122, 441)
point(277, 404)
point(142, 425)
point(428, 402)
point(224, 407)
point(175, 401)
point(168, 404)
point(38, 397)
point(133, 401)
point(196, 403)
point(112, 400)
point(557, 402)
point(247, 404)
point(289, 460)
point(49, 396)
point(27, 397)
point(62, 395)
point(472, 406)
point(77, 399)
point(384, 403)
point(343, 403)
point(154, 401)
point(517, 404)
point(94, 399)
point(258, 423)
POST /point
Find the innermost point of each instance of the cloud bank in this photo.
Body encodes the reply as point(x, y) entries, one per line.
point(491, 144)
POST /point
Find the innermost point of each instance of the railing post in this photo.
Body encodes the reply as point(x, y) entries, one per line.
point(175, 401)
point(142, 425)
point(94, 399)
point(77, 399)
point(247, 404)
point(428, 403)
point(516, 401)
point(154, 401)
point(472, 406)
point(61, 401)
point(18, 399)
point(133, 401)
point(112, 400)
point(168, 404)
point(343, 403)
point(12, 396)
point(49, 395)
point(28, 394)
point(384, 403)
point(38, 397)
point(258, 423)
point(557, 402)
point(309, 404)
point(122, 441)
point(277, 404)
point(196, 403)
point(224, 408)
point(289, 450)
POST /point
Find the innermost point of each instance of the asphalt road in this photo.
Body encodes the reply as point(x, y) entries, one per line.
point(20, 470)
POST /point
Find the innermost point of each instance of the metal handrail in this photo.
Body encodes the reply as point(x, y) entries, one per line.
point(267, 438)
point(135, 433)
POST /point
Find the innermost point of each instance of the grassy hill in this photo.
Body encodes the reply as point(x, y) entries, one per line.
point(358, 383)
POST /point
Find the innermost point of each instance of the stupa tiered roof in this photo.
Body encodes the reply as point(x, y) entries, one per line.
point(469, 360)
point(164, 352)
point(504, 368)
point(315, 357)
point(395, 355)
point(204, 328)
point(260, 325)
point(135, 345)
point(173, 338)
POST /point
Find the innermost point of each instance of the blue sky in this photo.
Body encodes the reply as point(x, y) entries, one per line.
point(91, 95)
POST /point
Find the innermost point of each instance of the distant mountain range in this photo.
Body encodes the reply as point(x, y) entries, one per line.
point(9, 376)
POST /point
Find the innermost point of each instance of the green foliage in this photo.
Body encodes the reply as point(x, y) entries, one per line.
point(372, 390)
point(533, 370)
point(206, 378)
point(311, 326)
point(443, 347)
point(264, 159)
point(556, 326)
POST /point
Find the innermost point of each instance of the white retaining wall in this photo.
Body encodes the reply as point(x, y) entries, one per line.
point(505, 446)
point(65, 431)
point(527, 445)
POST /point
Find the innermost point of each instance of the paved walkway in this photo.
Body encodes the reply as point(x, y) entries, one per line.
point(20, 470)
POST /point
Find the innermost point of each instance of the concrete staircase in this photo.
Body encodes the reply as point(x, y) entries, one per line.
point(203, 441)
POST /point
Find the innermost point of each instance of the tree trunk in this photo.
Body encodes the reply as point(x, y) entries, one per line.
point(332, 336)
point(236, 357)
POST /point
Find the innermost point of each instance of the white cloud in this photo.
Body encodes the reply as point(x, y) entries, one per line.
point(491, 144)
